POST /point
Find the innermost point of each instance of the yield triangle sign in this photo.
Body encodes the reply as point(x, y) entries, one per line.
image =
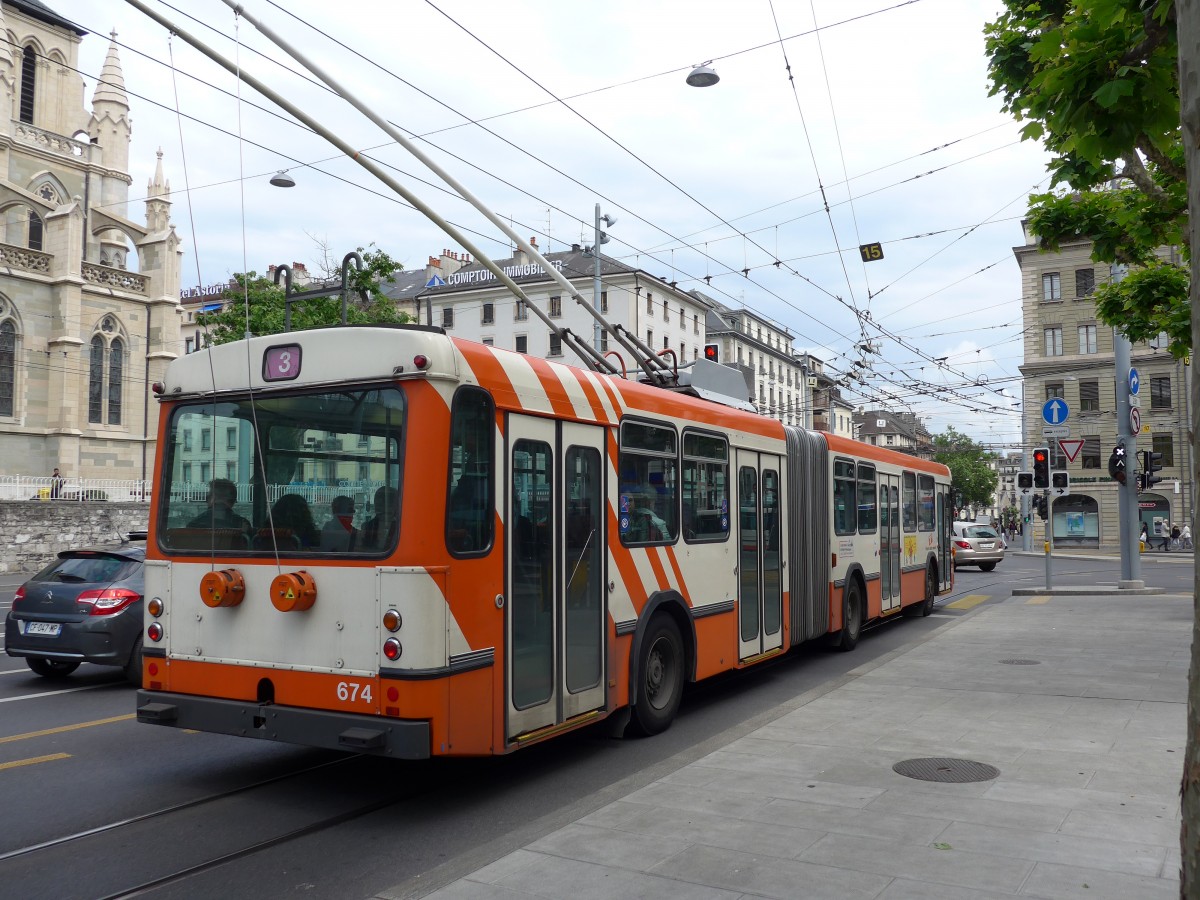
point(1071, 447)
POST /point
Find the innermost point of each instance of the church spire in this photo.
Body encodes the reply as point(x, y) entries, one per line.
point(111, 86)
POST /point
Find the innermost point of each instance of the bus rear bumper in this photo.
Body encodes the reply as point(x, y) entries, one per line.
point(395, 738)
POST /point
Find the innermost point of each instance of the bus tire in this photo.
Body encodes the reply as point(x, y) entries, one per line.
point(660, 677)
point(852, 617)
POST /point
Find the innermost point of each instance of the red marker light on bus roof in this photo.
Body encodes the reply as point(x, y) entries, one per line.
point(421, 361)
point(158, 387)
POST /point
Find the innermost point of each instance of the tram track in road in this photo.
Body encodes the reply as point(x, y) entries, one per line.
point(176, 843)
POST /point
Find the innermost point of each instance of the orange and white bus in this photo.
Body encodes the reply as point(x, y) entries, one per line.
point(391, 541)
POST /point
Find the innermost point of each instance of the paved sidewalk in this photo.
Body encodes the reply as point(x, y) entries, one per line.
point(1079, 702)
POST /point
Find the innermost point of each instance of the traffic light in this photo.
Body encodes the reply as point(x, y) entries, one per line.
point(1040, 504)
point(1025, 481)
point(1060, 482)
point(1116, 463)
point(712, 352)
point(1041, 467)
point(1151, 463)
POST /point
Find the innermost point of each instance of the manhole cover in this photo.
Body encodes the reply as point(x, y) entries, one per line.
point(955, 771)
point(1020, 662)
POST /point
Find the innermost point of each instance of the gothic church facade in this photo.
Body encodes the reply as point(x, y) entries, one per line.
point(89, 299)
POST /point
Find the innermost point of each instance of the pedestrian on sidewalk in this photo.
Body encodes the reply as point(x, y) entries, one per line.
point(56, 485)
point(1186, 537)
point(1145, 537)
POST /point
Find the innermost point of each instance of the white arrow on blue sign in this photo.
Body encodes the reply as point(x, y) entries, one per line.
point(1134, 381)
point(1055, 411)
point(435, 281)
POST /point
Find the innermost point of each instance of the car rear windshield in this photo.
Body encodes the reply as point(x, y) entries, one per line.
point(981, 531)
point(89, 569)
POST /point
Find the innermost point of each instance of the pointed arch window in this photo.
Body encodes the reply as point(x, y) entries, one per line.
point(106, 374)
point(28, 82)
point(116, 369)
point(35, 231)
point(8, 366)
point(96, 381)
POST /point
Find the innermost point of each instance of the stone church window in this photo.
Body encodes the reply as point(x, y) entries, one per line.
point(28, 82)
point(8, 365)
point(106, 372)
point(35, 231)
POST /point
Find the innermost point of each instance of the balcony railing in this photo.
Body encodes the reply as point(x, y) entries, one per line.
point(115, 278)
point(35, 487)
point(25, 259)
point(48, 140)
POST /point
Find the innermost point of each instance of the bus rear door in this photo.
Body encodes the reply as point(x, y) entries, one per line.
point(761, 556)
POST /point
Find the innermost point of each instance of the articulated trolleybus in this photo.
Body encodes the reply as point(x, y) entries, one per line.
point(391, 541)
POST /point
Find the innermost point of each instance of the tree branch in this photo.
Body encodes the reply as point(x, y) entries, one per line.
point(1157, 34)
point(1136, 172)
point(1160, 159)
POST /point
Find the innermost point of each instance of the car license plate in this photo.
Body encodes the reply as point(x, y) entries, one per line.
point(986, 545)
point(51, 629)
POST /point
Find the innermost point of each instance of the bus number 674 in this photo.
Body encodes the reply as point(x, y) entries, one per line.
point(350, 691)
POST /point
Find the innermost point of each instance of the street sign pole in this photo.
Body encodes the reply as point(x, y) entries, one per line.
point(1049, 532)
point(1128, 529)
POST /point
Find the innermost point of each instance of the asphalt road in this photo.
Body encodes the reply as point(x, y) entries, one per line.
point(197, 815)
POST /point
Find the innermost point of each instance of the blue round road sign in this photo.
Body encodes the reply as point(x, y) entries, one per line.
point(1055, 411)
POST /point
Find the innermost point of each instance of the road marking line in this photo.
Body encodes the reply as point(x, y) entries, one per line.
point(16, 763)
point(90, 687)
point(968, 601)
point(1037, 601)
point(62, 728)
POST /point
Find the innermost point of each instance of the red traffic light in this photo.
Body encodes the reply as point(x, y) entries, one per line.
point(712, 352)
point(1039, 456)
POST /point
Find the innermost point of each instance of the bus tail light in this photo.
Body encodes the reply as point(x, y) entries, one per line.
point(155, 607)
point(293, 591)
point(155, 632)
point(392, 620)
point(392, 649)
point(224, 588)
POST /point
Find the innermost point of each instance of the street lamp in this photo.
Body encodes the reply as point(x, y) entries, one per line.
point(283, 179)
point(702, 76)
point(601, 238)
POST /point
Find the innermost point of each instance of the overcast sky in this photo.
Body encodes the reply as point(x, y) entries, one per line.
point(886, 111)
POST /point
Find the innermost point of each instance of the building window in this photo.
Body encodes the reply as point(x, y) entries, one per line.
point(205, 439)
point(1051, 286)
point(649, 337)
point(666, 342)
point(96, 380)
point(1054, 389)
point(1091, 452)
point(187, 473)
point(489, 342)
point(230, 438)
point(1165, 445)
point(489, 314)
point(555, 345)
point(116, 372)
point(1087, 338)
point(1160, 393)
point(231, 470)
point(696, 323)
point(666, 311)
point(205, 468)
point(522, 343)
point(604, 301)
point(189, 345)
point(28, 82)
point(1052, 343)
point(187, 444)
point(8, 366)
point(1089, 396)
point(682, 317)
point(603, 341)
point(447, 316)
point(555, 307)
point(35, 231)
point(1085, 283)
point(649, 302)
point(520, 313)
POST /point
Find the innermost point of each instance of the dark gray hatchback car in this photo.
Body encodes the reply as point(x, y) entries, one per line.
point(86, 606)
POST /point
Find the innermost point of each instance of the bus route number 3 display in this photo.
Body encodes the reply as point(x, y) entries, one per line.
point(281, 363)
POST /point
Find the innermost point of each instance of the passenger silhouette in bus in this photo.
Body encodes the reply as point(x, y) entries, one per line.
point(295, 529)
point(379, 531)
point(339, 533)
point(222, 495)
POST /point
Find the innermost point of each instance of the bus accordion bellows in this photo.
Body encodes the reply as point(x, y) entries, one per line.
point(386, 540)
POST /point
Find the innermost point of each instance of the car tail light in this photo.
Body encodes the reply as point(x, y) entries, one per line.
point(108, 601)
point(966, 545)
point(18, 596)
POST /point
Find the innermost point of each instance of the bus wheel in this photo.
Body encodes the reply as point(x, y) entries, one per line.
point(852, 617)
point(660, 671)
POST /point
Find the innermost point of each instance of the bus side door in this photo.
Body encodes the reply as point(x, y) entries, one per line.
point(760, 497)
point(556, 544)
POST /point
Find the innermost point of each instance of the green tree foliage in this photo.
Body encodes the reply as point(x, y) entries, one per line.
point(267, 311)
point(974, 480)
point(1097, 82)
